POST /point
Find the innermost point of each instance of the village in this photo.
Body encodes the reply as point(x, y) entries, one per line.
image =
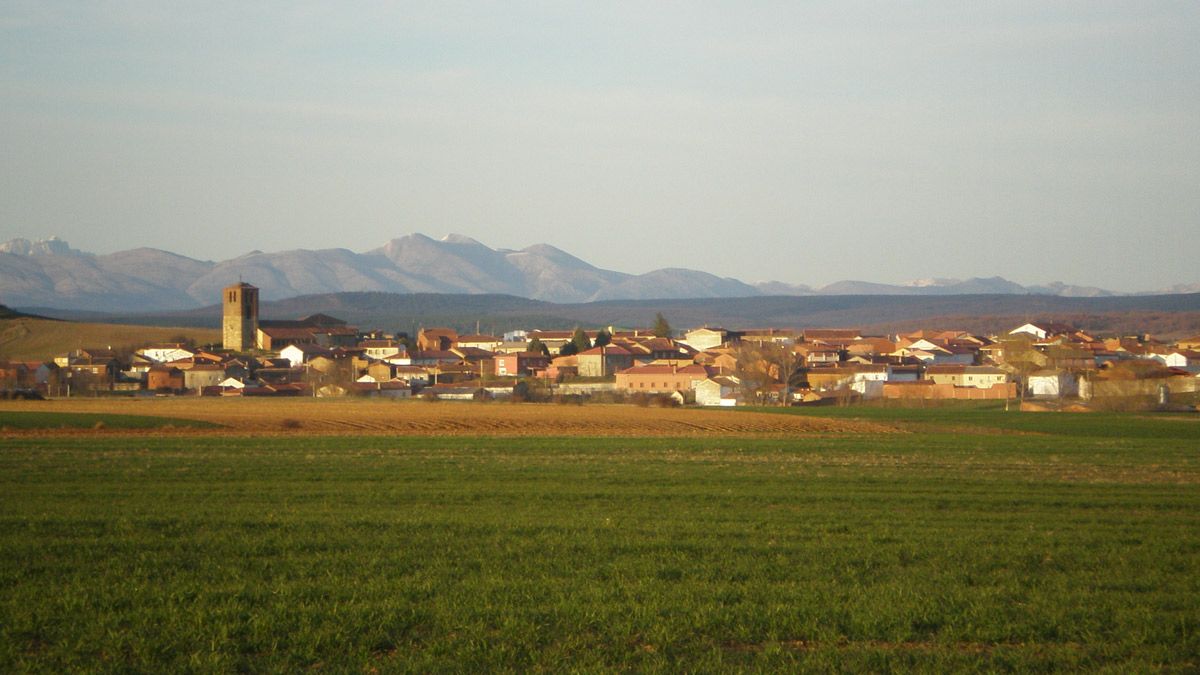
point(322, 356)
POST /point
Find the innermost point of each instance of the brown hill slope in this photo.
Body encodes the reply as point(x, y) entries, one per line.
point(29, 339)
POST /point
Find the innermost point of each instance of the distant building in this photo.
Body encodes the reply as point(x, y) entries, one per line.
point(520, 363)
point(604, 361)
point(382, 349)
point(436, 339)
point(316, 329)
point(704, 338)
point(1052, 384)
point(1043, 329)
point(164, 378)
point(240, 317)
point(831, 335)
point(980, 377)
point(486, 342)
point(166, 353)
point(661, 379)
point(717, 391)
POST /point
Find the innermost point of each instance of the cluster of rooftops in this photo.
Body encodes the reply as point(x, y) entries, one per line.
point(324, 356)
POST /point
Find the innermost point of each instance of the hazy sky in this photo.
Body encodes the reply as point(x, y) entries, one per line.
point(801, 141)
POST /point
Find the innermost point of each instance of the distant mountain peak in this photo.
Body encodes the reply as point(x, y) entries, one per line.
point(461, 239)
point(49, 273)
point(1181, 288)
point(50, 246)
point(926, 283)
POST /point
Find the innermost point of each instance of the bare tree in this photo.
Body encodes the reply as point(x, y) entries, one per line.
point(760, 365)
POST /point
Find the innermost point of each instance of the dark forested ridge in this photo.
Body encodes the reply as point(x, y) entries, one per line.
point(1156, 314)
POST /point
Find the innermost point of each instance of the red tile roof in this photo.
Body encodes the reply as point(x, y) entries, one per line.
point(610, 350)
point(667, 370)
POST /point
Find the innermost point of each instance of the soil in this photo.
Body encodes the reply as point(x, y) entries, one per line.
point(422, 418)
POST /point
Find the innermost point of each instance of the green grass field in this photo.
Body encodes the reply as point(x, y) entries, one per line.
point(59, 420)
point(1072, 543)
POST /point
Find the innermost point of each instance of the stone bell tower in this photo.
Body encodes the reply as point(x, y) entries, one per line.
point(239, 326)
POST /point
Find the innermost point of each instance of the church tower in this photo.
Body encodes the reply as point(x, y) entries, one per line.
point(240, 322)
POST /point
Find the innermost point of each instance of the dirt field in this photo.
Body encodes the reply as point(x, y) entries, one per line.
point(356, 416)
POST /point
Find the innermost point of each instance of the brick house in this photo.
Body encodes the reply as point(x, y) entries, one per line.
point(164, 378)
point(436, 339)
point(520, 364)
point(661, 379)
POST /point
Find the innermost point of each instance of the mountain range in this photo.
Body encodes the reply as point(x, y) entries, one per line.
point(50, 273)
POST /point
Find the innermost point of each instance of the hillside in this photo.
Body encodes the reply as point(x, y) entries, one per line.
point(30, 339)
point(9, 313)
point(1164, 315)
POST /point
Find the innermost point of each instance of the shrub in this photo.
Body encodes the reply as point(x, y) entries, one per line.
point(665, 401)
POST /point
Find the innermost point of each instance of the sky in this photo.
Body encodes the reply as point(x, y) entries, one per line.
point(805, 142)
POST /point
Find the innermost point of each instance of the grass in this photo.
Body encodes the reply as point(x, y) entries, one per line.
point(25, 339)
point(931, 551)
point(991, 415)
point(13, 420)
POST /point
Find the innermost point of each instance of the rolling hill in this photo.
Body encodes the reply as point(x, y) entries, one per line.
point(26, 338)
point(1157, 314)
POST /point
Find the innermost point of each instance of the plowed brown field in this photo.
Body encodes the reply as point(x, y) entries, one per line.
point(417, 418)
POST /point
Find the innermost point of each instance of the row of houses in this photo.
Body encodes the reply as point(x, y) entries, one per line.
point(322, 355)
point(1034, 359)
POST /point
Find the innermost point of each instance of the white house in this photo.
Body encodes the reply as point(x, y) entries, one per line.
point(980, 377)
point(413, 374)
point(868, 381)
point(702, 339)
point(166, 353)
point(931, 352)
point(1042, 330)
point(1052, 384)
point(1179, 358)
point(299, 355)
point(717, 391)
point(380, 350)
point(924, 344)
point(815, 355)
